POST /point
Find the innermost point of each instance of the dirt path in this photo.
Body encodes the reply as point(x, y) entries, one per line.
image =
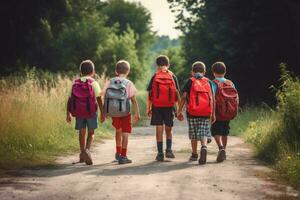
point(240, 177)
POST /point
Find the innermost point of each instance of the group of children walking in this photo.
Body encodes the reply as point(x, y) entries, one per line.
point(210, 105)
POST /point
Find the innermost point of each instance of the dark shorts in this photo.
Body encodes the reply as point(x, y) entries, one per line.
point(220, 128)
point(162, 116)
point(90, 123)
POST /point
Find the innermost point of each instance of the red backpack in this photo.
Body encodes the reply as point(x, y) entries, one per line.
point(82, 102)
point(227, 101)
point(163, 93)
point(201, 99)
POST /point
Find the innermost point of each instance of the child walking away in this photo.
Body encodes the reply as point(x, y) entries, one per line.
point(227, 102)
point(82, 104)
point(197, 93)
point(163, 93)
point(118, 93)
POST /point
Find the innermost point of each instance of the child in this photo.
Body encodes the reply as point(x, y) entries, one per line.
point(197, 93)
point(163, 93)
point(82, 104)
point(226, 107)
point(118, 93)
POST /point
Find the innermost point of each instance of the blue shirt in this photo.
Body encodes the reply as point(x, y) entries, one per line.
point(214, 85)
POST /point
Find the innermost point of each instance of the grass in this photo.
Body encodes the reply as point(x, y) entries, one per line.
point(275, 133)
point(33, 129)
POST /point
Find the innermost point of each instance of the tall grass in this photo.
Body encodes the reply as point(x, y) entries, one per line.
point(32, 120)
point(275, 134)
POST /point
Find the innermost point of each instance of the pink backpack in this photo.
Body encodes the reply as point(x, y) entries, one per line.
point(82, 103)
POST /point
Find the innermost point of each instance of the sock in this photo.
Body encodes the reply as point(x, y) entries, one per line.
point(124, 152)
point(203, 147)
point(221, 147)
point(169, 144)
point(160, 147)
point(119, 150)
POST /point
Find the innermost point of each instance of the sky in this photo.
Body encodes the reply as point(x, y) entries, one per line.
point(163, 20)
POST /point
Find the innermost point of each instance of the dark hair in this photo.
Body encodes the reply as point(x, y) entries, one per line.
point(122, 67)
point(198, 66)
point(162, 60)
point(87, 67)
point(218, 68)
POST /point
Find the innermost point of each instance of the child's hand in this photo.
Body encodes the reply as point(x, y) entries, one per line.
point(180, 116)
point(213, 119)
point(102, 118)
point(137, 118)
point(149, 113)
point(69, 118)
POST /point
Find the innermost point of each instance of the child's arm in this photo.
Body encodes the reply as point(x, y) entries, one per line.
point(136, 109)
point(149, 105)
point(180, 106)
point(100, 105)
point(69, 117)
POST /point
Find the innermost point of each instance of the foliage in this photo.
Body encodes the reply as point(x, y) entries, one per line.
point(244, 36)
point(58, 35)
point(275, 134)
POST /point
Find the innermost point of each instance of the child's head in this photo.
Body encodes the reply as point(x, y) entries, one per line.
point(162, 62)
point(198, 67)
point(87, 68)
point(122, 67)
point(218, 69)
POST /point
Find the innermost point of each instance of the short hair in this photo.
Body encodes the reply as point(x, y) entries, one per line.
point(162, 60)
point(198, 67)
point(219, 68)
point(122, 67)
point(86, 67)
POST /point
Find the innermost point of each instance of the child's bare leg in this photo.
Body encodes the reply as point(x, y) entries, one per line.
point(90, 139)
point(168, 137)
point(224, 141)
point(118, 138)
point(203, 142)
point(218, 139)
point(194, 144)
point(82, 133)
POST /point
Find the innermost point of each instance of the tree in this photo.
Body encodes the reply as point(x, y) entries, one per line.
point(251, 37)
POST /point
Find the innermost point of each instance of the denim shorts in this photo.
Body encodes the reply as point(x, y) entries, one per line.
point(90, 123)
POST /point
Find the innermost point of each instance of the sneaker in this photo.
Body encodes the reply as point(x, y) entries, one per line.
point(124, 160)
point(117, 156)
point(208, 140)
point(194, 157)
point(221, 155)
point(160, 157)
point(169, 154)
point(87, 157)
point(203, 155)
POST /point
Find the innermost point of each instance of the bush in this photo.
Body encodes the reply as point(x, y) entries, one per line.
point(276, 135)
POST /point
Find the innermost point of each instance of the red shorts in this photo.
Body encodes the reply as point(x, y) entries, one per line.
point(123, 123)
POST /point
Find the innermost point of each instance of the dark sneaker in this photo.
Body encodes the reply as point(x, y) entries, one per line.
point(124, 160)
point(209, 140)
point(87, 157)
point(225, 157)
point(117, 156)
point(221, 155)
point(169, 154)
point(194, 157)
point(160, 157)
point(203, 155)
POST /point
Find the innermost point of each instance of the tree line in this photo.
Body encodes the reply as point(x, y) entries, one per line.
point(252, 37)
point(56, 35)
